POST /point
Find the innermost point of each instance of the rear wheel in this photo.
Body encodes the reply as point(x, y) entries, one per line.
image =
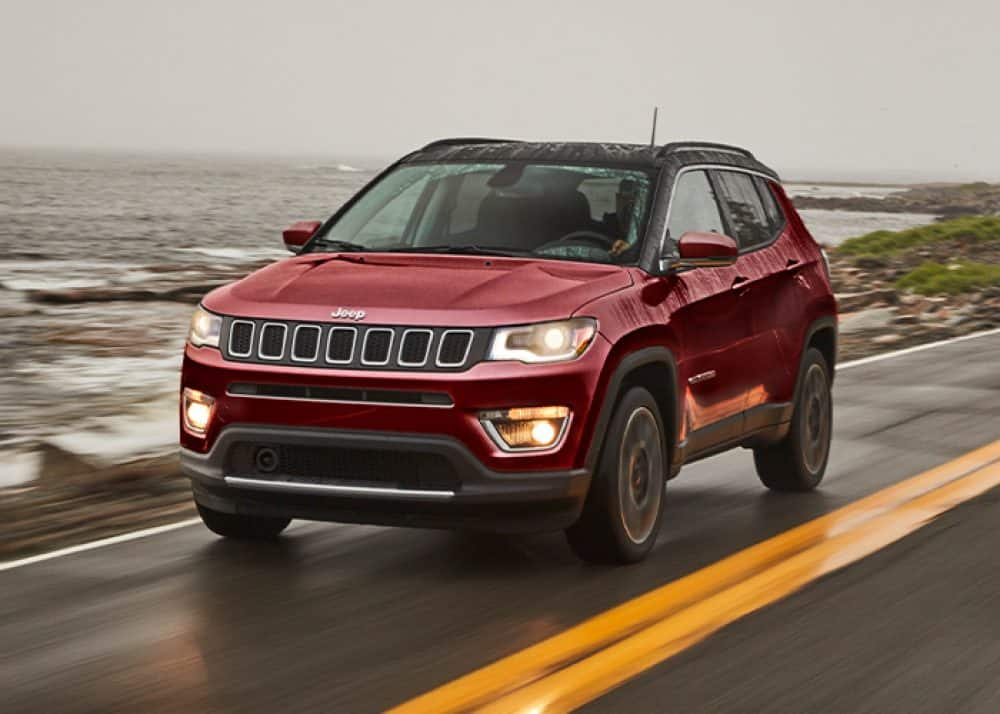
point(234, 525)
point(798, 462)
point(622, 514)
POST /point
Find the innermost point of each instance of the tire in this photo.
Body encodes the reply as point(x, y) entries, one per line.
point(622, 514)
point(798, 462)
point(240, 527)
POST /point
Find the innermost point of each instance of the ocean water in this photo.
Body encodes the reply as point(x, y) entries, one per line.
point(88, 219)
point(101, 379)
point(834, 227)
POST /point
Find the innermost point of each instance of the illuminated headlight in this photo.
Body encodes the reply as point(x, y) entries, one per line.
point(544, 341)
point(205, 328)
point(197, 409)
point(525, 428)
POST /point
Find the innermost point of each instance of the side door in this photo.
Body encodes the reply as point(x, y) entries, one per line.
point(768, 262)
point(712, 323)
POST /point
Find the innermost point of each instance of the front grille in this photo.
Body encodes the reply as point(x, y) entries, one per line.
point(348, 346)
point(332, 465)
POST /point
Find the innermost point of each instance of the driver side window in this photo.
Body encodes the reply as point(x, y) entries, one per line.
point(694, 206)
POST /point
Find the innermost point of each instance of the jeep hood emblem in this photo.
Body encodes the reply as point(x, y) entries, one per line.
point(345, 313)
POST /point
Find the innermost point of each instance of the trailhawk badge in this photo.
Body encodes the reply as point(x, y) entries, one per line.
point(343, 313)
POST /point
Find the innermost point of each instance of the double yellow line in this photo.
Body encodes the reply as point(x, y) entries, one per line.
point(584, 662)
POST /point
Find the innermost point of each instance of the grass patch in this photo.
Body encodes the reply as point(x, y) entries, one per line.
point(881, 243)
point(933, 278)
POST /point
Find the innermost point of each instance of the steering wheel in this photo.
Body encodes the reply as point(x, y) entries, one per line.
point(585, 236)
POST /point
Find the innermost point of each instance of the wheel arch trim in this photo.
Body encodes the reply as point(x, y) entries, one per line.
point(827, 322)
point(613, 391)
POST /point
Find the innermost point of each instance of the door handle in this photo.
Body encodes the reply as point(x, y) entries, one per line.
point(739, 281)
point(792, 263)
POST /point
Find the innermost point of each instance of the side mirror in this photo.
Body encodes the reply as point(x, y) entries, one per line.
point(705, 250)
point(297, 234)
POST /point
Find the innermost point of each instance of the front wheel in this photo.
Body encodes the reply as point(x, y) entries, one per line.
point(798, 462)
point(622, 514)
point(234, 525)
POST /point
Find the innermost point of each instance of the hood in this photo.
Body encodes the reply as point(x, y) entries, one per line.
point(401, 289)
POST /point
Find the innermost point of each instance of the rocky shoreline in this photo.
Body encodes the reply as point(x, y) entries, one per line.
point(75, 503)
point(943, 200)
point(877, 316)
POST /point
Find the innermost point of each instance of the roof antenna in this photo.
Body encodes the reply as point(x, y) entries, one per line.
point(652, 138)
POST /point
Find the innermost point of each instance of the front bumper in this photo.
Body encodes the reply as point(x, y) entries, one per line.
point(485, 386)
point(474, 496)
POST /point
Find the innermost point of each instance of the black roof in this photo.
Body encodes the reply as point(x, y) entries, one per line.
point(579, 152)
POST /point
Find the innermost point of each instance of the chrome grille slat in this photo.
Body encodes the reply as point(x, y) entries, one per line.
point(445, 348)
point(305, 331)
point(375, 359)
point(233, 336)
point(266, 330)
point(337, 333)
point(411, 337)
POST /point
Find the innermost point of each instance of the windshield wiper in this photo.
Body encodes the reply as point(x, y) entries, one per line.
point(341, 246)
point(459, 249)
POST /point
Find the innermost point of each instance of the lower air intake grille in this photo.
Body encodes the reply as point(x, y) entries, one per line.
point(326, 465)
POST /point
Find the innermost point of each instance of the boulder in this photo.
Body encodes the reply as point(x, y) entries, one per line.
point(58, 464)
point(849, 302)
point(878, 318)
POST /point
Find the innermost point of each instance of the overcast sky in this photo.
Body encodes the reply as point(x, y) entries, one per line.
point(883, 88)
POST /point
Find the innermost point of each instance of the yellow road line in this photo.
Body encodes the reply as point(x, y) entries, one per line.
point(588, 679)
point(581, 663)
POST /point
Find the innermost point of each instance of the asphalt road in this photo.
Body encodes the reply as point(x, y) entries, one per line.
point(354, 619)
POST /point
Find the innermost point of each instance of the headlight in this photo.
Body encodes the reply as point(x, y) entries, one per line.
point(543, 342)
point(205, 328)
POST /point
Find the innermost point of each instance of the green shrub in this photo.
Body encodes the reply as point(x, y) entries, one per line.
point(968, 228)
point(933, 278)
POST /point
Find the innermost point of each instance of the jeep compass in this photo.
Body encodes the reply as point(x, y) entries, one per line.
point(516, 336)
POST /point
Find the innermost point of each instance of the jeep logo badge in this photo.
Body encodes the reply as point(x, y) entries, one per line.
point(343, 313)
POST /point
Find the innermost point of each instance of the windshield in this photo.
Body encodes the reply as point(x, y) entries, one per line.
point(586, 213)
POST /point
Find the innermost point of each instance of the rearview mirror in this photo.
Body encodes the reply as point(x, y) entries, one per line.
point(297, 234)
point(705, 250)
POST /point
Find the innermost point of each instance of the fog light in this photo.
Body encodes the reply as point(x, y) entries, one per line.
point(525, 428)
point(197, 408)
point(543, 432)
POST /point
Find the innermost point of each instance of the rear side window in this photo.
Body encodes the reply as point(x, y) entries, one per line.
point(775, 217)
point(693, 206)
point(742, 204)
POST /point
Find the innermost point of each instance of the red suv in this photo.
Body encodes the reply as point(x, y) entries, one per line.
point(516, 336)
